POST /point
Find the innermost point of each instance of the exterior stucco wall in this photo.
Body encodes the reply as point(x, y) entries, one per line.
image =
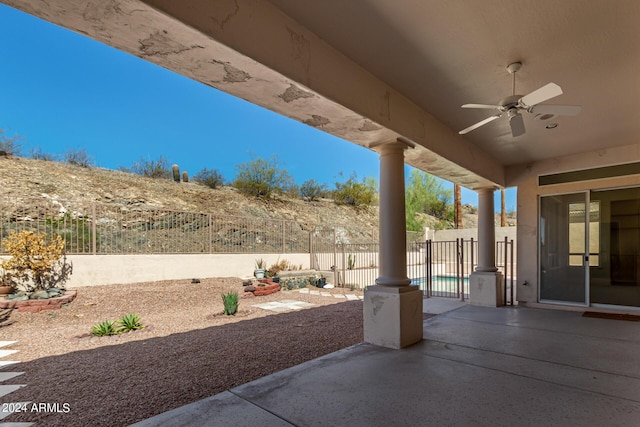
point(468, 233)
point(93, 270)
point(526, 178)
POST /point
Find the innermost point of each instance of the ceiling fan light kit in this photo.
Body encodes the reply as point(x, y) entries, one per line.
point(514, 104)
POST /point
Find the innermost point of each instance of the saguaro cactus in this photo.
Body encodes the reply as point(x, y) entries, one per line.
point(176, 173)
point(185, 176)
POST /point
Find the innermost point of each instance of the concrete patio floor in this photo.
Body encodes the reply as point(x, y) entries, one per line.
point(477, 366)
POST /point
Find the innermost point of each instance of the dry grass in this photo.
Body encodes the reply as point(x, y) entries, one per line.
point(191, 350)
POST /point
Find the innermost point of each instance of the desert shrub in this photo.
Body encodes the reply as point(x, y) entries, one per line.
point(312, 190)
point(209, 177)
point(78, 157)
point(282, 265)
point(11, 145)
point(36, 263)
point(38, 154)
point(151, 168)
point(262, 178)
point(358, 194)
point(230, 301)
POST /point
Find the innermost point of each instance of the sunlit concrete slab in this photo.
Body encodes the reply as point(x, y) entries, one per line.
point(5, 376)
point(221, 407)
point(476, 366)
point(5, 412)
point(10, 388)
point(437, 305)
point(5, 353)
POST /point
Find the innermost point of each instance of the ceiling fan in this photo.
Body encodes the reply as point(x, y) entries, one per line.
point(514, 104)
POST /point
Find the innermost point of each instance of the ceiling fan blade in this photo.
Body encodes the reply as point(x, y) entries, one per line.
point(556, 110)
point(548, 91)
point(480, 123)
point(517, 125)
point(484, 106)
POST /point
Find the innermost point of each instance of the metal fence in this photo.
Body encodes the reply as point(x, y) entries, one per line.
point(97, 228)
point(440, 269)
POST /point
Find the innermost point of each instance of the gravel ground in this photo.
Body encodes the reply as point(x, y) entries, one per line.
point(189, 350)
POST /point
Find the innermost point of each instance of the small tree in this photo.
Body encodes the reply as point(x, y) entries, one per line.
point(209, 177)
point(36, 263)
point(354, 193)
point(262, 178)
point(152, 168)
point(312, 190)
point(425, 194)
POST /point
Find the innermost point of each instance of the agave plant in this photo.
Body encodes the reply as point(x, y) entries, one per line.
point(129, 322)
point(108, 327)
point(230, 301)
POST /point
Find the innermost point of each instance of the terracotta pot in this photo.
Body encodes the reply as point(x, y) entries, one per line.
point(5, 290)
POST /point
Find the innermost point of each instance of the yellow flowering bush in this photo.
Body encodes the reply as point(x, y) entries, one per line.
point(36, 263)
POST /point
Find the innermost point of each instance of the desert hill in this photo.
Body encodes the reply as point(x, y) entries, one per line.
point(24, 181)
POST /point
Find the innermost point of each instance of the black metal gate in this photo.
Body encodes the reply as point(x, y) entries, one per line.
point(448, 264)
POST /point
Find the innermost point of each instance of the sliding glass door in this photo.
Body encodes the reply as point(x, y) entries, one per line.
point(589, 248)
point(616, 278)
point(564, 259)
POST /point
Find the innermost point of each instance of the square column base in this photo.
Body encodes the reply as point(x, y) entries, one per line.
point(393, 316)
point(486, 289)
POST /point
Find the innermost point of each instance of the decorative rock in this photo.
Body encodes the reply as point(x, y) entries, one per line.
point(39, 295)
point(249, 288)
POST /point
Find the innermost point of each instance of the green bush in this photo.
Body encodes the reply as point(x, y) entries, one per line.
point(230, 301)
point(312, 190)
point(209, 177)
point(262, 178)
point(357, 194)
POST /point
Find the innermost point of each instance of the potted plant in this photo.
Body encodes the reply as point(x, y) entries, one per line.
point(259, 271)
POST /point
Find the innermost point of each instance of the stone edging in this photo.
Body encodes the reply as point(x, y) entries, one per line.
point(36, 305)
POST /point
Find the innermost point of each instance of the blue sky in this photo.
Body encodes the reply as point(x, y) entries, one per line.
point(62, 91)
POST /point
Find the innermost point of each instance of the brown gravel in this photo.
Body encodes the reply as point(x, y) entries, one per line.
point(189, 352)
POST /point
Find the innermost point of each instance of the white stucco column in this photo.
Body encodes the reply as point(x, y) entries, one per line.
point(486, 231)
point(392, 308)
point(485, 283)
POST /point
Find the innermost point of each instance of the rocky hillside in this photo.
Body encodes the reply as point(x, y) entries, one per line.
point(24, 181)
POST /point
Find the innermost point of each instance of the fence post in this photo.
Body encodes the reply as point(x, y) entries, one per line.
point(462, 276)
point(94, 248)
point(284, 241)
point(511, 275)
point(336, 273)
point(210, 234)
point(429, 262)
point(505, 271)
point(311, 251)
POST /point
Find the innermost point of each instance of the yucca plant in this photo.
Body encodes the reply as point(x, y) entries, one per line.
point(108, 327)
point(230, 301)
point(129, 322)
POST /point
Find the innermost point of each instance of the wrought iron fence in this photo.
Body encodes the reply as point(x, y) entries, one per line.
point(97, 228)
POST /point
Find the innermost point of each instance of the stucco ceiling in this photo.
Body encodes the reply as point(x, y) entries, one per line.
point(370, 71)
point(442, 54)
